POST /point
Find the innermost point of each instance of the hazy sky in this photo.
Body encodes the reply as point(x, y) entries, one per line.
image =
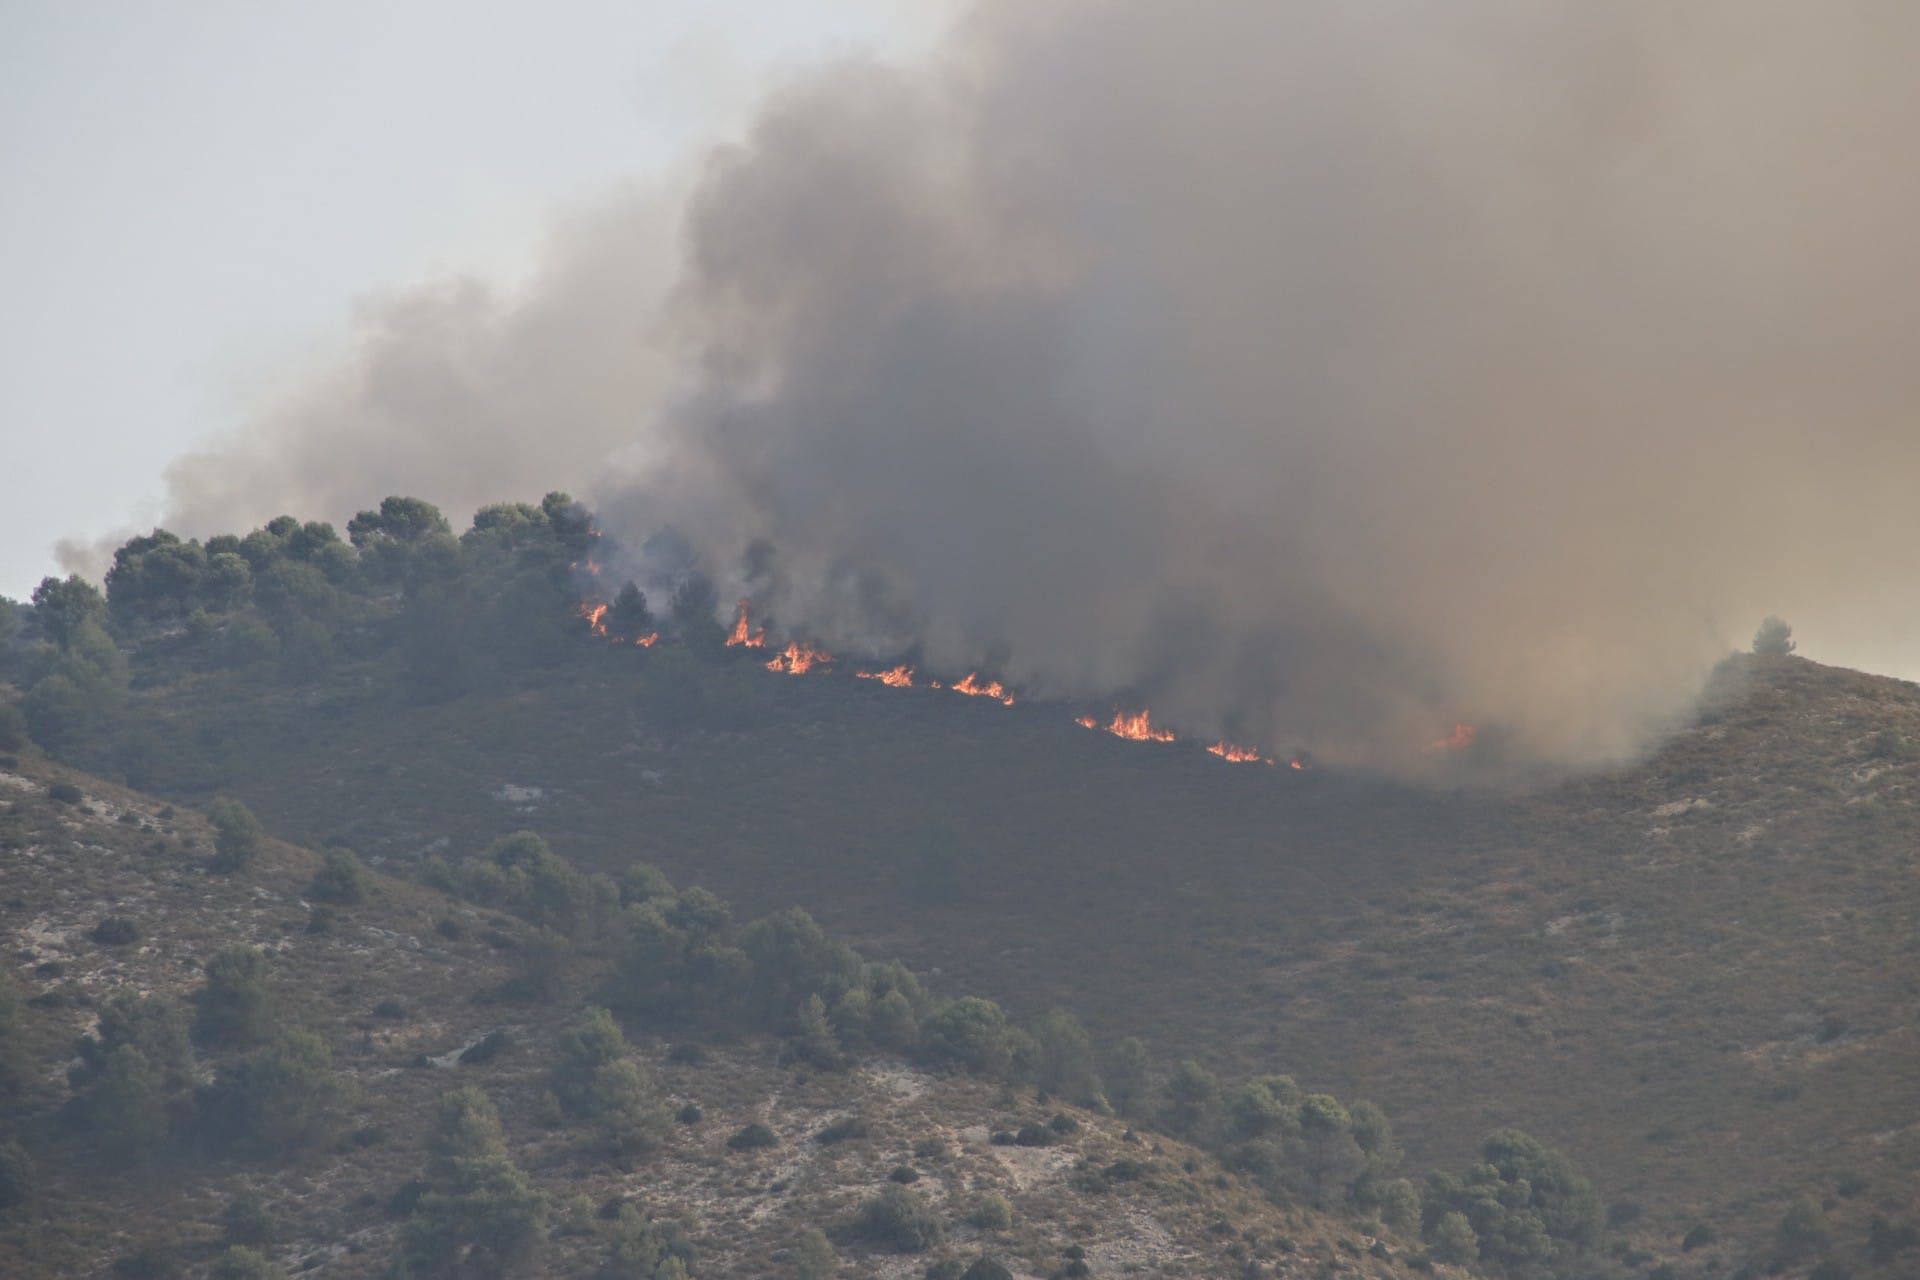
point(196, 194)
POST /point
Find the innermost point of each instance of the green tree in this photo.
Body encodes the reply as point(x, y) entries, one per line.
point(1191, 1095)
point(696, 615)
point(1129, 1075)
point(629, 618)
point(479, 1217)
point(283, 1095)
point(1065, 1063)
point(128, 1104)
point(237, 837)
point(595, 1079)
point(1454, 1241)
point(236, 1006)
point(62, 607)
point(151, 1024)
point(970, 1033)
point(340, 878)
point(639, 1248)
point(1773, 637)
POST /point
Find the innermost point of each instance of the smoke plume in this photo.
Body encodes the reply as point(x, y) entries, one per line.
point(1321, 375)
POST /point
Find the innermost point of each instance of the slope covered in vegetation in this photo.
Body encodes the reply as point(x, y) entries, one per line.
point(1694, 974)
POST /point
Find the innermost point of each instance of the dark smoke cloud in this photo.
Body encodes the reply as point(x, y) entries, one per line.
point(1322, 374)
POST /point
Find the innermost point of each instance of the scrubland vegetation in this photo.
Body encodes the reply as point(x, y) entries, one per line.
point(486, 1013)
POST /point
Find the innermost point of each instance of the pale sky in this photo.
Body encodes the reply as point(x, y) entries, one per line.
point(196, 193)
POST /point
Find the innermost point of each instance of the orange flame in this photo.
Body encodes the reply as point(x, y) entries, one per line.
point(798, 658)
point(742, 634)
point(1134, 728)
point(898, 678)
point(1239, 755)
point(972, 687)
point(1461, 738)
point(595, 615)
point(648, 640)
point(1298, 764)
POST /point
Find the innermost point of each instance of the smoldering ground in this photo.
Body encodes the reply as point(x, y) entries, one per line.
point(1320, 374)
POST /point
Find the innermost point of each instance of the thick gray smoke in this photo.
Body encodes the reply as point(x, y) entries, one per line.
point(1319, 374)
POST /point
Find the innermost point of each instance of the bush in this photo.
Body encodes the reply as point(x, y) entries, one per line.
point(845, 1129)
point(1698, 1236)
point(13, 727)
point(116, 931)
point(645, 1249)
point(247, 1220)
point(1803, 1230)
point(993, 1213)
point(988, 1268)
point(754, 1137)
point(236, 1006)
point(242, 1263)
point(128, 1104)
point(899, 1220)
point(19, 1180)
point(65, 793)
point(340, 878)
point(282, 1095)
point(594, 1079)
point(814, 1257)
point(237, 838)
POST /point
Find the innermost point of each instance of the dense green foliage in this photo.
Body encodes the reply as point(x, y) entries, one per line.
point(479, 1215)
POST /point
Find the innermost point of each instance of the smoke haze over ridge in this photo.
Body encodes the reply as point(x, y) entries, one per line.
point(1319, 374)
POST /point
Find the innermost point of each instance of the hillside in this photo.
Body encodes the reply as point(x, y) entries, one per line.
point(391, 985)
point(1694, 973)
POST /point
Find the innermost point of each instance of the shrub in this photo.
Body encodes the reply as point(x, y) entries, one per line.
point(814, 1257)
point(645, 1249)
point(992, 1213)
point(1803, 1230)
point(242, 1263)
point(18, 1177)
point(236, 1006)
point(845, 1129)
point(988, 1268)
point(13, 727)
point(595, 1080)
point(899, 1220)
point(128, 1105)
point(340, 878)
point(1698, 1236)
point(1065, 1057)
point(65, 793)
point(753, 1137)
point(248, 1220)
point(237, 837)
point(116, 931)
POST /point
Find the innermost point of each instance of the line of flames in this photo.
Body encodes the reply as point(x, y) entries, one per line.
point(800, 657)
